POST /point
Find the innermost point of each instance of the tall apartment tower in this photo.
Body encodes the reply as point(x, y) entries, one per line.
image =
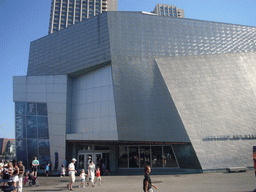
point(168, 10)
point(69, 12)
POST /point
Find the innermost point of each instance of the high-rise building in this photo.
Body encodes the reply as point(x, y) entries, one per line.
point(69, 12)
point(168, 10)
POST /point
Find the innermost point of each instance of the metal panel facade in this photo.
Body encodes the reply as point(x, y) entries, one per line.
point(72, 49)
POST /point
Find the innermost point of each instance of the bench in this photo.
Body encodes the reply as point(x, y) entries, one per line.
point(236, 169)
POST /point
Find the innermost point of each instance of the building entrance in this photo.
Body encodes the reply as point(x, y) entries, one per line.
point(98, 158)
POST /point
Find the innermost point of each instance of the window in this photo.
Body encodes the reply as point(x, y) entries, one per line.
point(123, 157)
point(156, 156)
point(133, 157)
point(140, 156)
point(145, 156)
point(169, 158)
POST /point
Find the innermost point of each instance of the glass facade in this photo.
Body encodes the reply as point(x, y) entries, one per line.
point(140, 156)
point(32, 135)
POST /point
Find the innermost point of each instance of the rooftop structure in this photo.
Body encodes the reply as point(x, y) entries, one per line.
point(68, 12)
point(168, 10)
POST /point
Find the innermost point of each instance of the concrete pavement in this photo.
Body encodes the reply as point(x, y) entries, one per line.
point(212, 181)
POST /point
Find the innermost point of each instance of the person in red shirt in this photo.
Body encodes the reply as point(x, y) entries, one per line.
point(98, 177)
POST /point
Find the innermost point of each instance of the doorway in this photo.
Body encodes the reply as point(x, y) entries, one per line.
point(97, 157)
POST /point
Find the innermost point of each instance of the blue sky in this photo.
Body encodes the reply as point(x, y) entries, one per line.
point(23, 21)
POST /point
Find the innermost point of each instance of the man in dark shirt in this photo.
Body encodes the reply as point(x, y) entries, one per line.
point(147, 181)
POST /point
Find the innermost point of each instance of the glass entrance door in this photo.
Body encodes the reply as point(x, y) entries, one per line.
point(84, 159)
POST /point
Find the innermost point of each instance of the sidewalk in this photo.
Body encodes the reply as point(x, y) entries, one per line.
point(207, 182)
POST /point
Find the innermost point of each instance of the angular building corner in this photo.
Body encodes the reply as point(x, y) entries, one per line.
point(130, 89)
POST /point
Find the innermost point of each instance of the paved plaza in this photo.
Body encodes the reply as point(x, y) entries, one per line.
point(212, 181)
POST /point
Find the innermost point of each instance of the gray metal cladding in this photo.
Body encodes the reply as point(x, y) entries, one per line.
point(72, 49)
point(145, 110)
point(144, 105)
point(138, 34)
point(215, 96)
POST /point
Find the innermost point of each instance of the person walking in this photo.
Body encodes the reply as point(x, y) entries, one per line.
point(91, 173)
point(72, 174)
point(82, 178)
point(98, 177)
point(35, 165)
point(147, 185)
point(21, 174)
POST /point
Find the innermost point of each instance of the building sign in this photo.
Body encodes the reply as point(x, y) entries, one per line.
point(20, 127)
point(229, 137)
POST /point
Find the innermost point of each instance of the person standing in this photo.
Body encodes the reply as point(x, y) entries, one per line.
point(63, 171)
point(1, 167)
point(15, 175)
point(147, 185)
point(47, 169)
point(7, 172)
point(21, 174)
point(35, 165)
point(72, 174)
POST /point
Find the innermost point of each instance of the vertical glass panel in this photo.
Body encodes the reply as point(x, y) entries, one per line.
point(31, 109)
point(32, 150)
point(133, 157)
point(20, 127)
point(105, 160)
point(144, 156)
point(56, 160)
point(81, 162)
point(21, 152)
point(156, 156)
point(44, 153)
point(42, 109)
point(169, 158)
point(31, 127)
point(122, 157)
point(20, 108)
point(42, 128)
point(97, 159)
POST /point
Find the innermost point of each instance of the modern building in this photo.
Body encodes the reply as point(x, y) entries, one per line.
point(7, 149)
point(168, 10)
point(130, 89)
point(7, 145)
point(68, 12)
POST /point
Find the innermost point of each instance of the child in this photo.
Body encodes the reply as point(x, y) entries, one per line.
point(63, 171)
point(47, 168)
point(25, 179)
point(98, 177)
point(82, 177)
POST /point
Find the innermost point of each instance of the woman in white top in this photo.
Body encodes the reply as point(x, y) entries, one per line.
point(91, 172)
